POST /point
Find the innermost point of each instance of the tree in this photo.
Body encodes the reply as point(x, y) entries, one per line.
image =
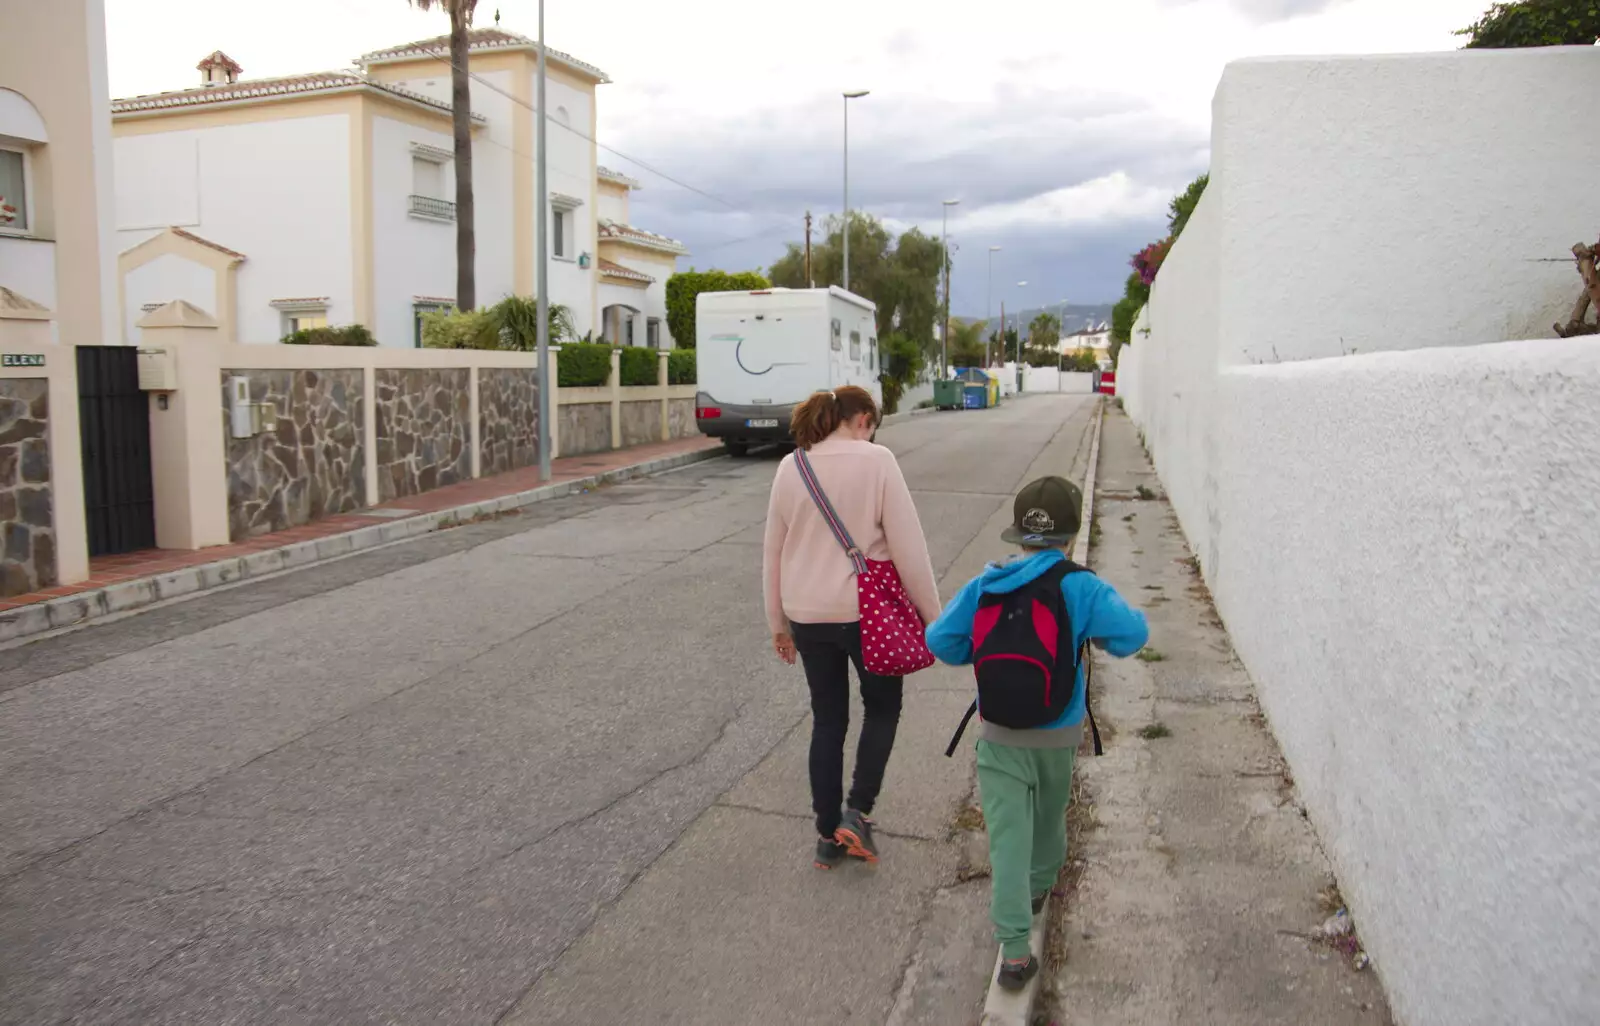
point(1044, 331)
point(1535, 23)
point(460, 12)
point(1147, 263)
point(966, 344)
point(683, 287)
point(900, 275)
point(1183, 205)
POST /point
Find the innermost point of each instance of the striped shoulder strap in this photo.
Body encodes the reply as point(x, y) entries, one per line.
point(808, 475)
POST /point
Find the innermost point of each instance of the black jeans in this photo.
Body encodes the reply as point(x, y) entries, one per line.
point(827, 650)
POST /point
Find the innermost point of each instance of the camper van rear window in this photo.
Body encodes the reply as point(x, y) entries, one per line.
point(838, 339)
point(855, 346)
point(872, 354)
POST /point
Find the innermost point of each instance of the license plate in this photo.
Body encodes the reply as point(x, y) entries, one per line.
point(761, 423)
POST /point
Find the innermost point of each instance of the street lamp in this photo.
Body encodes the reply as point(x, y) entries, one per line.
point(1060, 356)
point(847, 98)
point(988, 311)
point(944, 246)
point(1020, 285)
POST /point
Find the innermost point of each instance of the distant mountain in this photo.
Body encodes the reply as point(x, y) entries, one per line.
point(1077, 316)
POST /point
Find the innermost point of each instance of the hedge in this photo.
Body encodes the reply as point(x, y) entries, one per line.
point(348, 335)
point(683, 287)
point(583, 365)
point(681, 367)
point(640, 366)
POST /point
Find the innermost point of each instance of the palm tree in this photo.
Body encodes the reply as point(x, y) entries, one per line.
point(460, 12)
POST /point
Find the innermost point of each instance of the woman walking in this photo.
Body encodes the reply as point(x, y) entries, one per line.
point(811, 598)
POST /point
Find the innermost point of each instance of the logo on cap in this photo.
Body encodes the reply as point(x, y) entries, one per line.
point(1037, 521)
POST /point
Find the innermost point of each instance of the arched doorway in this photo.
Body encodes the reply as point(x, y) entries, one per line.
point(622, 325)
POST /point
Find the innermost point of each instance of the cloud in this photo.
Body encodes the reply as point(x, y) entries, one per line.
point(1267, 11)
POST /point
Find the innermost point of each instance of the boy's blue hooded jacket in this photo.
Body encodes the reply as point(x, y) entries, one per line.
point(1097, 613)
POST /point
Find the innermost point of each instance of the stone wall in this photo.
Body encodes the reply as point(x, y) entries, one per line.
point(641, 422)
point(508, 419)
point(28, 556)
point(424, 427)
point(310, 464)
point(585, 428)
point(680, 418)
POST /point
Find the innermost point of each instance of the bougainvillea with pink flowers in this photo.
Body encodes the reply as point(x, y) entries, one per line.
point(1148, 260)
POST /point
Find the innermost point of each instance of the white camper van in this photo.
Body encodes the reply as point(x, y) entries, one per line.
point(760, 354)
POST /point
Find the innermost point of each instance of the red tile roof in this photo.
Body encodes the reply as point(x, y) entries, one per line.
point(263, 88)
point(616, 270)
point(192, 237)
point(639, 237)
point(482, 39)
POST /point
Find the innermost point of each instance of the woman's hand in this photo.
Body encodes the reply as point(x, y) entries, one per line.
point(783, 644)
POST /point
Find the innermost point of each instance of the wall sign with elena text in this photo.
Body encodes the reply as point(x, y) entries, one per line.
point(22, 360)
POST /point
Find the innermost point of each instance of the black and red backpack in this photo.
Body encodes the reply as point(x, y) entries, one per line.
point(1023, 656)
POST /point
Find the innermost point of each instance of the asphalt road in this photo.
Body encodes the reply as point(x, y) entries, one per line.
point(542, 769)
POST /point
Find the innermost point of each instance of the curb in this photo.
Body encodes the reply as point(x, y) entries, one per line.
point(124, 596)
point(1006, 1008)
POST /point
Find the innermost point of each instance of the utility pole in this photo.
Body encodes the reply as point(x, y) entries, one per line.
point(810, 282)
point(541, 190)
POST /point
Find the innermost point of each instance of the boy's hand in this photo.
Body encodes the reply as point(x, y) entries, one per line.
point(783, 644)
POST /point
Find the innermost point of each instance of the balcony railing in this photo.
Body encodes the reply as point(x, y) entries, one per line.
point(438, 209)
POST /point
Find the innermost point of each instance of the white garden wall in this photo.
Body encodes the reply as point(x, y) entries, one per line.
point(1403, 544)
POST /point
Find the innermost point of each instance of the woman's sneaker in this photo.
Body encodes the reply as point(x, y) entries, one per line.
point(829, 853)
point(855, 833)
point(1015, 974)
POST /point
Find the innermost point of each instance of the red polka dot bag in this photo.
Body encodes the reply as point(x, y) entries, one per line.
point(892, 640)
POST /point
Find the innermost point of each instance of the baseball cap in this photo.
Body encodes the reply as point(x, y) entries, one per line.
point(1046, 514)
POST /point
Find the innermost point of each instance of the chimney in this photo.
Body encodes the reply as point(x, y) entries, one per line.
point(218, 69)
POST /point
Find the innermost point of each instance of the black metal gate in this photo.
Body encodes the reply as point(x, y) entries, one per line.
point(114, 416)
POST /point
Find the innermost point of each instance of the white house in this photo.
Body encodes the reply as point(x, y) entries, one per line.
point(328, 198)
point(634, 267)
point(1095, 337)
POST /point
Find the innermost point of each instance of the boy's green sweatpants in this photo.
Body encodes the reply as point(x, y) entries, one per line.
point(1025, 792)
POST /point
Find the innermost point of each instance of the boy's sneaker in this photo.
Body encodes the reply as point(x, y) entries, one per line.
point(855, 833)
point(829, 853)
point(1015, 973)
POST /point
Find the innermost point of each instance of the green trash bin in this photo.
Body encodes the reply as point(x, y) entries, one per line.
point(947, 395)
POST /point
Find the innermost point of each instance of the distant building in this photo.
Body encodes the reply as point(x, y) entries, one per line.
point(1095, 337)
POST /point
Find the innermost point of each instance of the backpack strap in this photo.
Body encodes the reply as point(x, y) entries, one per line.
point(1087, 664)
point(808, 477)
point(955, 739)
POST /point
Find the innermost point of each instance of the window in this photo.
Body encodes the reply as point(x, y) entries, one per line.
point(560, 233)
point(301, 314)
point(301, 322)
point(652, 333)
point(428, 183)
point(838, 342)
point(855, 346)
point(14, 190)
point(872, 354)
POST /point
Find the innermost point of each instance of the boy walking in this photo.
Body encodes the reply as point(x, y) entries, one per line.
point(1024, 625)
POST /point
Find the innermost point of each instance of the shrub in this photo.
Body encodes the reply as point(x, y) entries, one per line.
point(639, 366)
point(583, 365)
point(347, 335)
point(681, 367)
point(453, 329)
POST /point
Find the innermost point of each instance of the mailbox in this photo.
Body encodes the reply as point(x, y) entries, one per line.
point(158, 370)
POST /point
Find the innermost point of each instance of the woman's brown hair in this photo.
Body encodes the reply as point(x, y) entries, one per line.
point(820, 416)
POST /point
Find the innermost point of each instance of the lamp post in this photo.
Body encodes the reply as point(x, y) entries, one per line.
point(1020, 285)
point(944, 248)
point(988, 311)
point(847, 98)
point(1060, 356)
point(542, 284)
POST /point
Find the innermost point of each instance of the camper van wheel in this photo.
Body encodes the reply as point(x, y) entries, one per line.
point(737, 448)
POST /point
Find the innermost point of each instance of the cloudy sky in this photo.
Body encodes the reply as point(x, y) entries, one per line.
point(1063, 126)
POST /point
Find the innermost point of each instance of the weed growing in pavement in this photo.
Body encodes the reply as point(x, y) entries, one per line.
point(1154, 730)
point(1146, 494)
point(1150, 655)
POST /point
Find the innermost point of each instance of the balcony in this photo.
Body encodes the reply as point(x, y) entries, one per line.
point(432, 209)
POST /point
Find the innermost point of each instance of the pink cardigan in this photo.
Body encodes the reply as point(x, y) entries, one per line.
point(806, 575)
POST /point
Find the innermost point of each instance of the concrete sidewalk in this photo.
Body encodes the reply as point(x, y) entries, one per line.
point(1197, 887)
point(733, 925)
